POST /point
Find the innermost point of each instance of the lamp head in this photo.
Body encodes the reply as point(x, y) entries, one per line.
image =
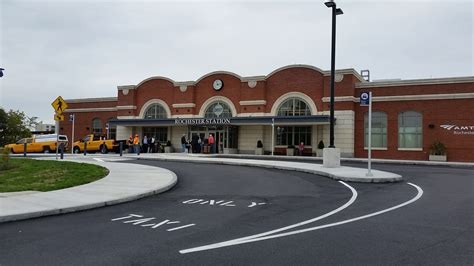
point(339, 11)
point(330, 3)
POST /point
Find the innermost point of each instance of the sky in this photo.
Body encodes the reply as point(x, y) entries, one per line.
point(85, 49)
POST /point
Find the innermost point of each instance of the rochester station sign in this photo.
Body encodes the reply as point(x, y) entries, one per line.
point(202, 121)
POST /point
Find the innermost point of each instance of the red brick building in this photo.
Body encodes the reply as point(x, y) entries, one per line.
point(287, 107)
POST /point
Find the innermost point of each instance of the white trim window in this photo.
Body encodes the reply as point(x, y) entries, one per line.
point(112, 129)
point(410, 130)
point(379, 129)
point(218, 109)
point(155, 111)
point(293, 107)
point(96, 126)
point(293, 135)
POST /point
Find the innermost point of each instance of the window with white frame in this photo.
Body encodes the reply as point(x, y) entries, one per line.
point(218, 109)
point(96, 126)
point(293, 107)
point(293, 135)
point(379, 130)
point(112, 128)
point(410, 130)
point(155, 111)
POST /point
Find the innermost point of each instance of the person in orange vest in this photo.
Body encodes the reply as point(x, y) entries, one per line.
point(212, 143)
point(136, 144)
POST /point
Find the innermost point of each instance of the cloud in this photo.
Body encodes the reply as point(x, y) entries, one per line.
point(80, 49)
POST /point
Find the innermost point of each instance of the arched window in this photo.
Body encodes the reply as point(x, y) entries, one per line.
point(218, 109)
point(410, 130)
point(155, 111)
point(379, 130)
point(293, 135)
point(96, 126)
point(293, 107)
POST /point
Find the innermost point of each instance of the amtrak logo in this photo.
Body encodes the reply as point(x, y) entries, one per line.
point(459, 130)
point(448, 127)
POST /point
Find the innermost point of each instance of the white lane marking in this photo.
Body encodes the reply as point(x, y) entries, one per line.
point(140, 221)
point(160, 224)
point(181, 227)
point(126, 217)
point(192, 201)
point(231, 243)
point(99, 160)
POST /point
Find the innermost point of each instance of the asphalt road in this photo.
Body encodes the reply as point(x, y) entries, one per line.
point(217, 203)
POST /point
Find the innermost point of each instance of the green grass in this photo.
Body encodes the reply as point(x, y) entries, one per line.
point(28, 174)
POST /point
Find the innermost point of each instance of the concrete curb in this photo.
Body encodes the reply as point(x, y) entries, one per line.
point(320, 159)
point(349, 174)
point(117, 187)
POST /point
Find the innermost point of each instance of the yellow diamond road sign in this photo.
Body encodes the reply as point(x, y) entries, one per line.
point(59, 105)
point(59, 117)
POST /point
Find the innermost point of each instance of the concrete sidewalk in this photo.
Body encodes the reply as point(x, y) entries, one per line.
point(343, 173)
point(124, 183)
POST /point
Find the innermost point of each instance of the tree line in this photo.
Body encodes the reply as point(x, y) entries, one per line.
point(15, 125)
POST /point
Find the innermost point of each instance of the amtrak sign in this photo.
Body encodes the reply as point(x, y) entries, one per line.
point(459, 130)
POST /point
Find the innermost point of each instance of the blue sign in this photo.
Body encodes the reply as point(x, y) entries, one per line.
point(364, 99)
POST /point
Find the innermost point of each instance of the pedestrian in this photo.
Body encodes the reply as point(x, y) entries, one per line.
point(188, 146)
point(211, 143)
point(152, 145)
point(183, 143)
point(136, 144)
point(130, 144)
point(145, 144)
point(157, 146)
point(199, 144)
point(301, 149)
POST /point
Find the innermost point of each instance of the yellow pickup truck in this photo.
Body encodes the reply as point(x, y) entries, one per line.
point(38, 143)
point(95, 143)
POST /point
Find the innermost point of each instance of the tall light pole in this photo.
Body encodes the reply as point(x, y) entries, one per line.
point(335, 11)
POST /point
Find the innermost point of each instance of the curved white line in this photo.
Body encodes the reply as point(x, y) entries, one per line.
point(231, 243)
point(226, 243)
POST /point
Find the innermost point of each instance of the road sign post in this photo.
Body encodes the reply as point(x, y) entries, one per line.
point(366, 100)
point(72, 118)
point(59, 106)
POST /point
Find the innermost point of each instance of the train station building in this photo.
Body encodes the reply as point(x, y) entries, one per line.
point(286, 107)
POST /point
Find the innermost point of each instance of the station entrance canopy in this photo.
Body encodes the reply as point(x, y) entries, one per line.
point(257, 120)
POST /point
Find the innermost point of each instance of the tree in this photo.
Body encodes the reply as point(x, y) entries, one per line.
point(14, 125)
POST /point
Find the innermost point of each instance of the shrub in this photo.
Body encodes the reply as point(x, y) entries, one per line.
point(5, 163)
point(291, 146)
point(437, 148)
point(259, 144)
point(321, 145)
point(168, 143)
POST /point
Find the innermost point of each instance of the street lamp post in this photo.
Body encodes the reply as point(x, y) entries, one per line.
point(335, 11)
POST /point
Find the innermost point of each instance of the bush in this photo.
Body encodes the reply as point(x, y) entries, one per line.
point(5, 163)
point(291, 146)
point(437, 148)
point(168, 143)
point(259, 144)
point(321, 145)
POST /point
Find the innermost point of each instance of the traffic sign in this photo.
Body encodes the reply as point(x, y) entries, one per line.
point(58, 117)
point(59, 105)
point(364, 99)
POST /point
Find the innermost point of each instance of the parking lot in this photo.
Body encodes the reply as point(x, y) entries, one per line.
point(221, 214)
